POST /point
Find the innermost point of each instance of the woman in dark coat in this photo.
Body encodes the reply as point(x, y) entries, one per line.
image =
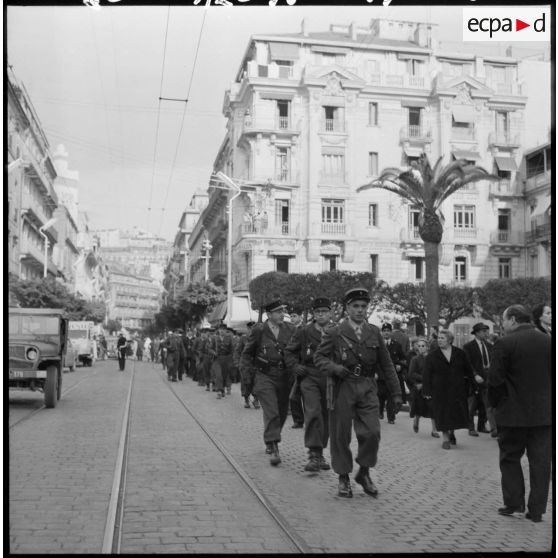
point(445, 376)
point(419, 406)
point(542, 316)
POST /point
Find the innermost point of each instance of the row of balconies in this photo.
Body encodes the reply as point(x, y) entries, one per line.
point(273, 70)
point(537, 181)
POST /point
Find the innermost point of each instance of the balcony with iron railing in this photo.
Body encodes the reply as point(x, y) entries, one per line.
point(415, 133)
point(541, 229)
point(503, 138)
point(464, 233)
point(333, 228)
point(503, 188)
point(255, 124)
point(539, 180)
point(272, 71)
point(410, 235)
point(284, 228)
point(397, 80)
point(333, 125)
point(507, 237)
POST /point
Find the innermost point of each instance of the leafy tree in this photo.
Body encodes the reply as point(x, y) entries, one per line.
point(497, 294)
point(113, 325)
point(196, 300)
point(426, 189)
point(267, 287)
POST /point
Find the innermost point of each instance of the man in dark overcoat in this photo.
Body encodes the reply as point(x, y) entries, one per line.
point(478, 352)
point(224, 348)
point(351, 352)
point(299, 356)
point(247, 375)
point(175, 353)
point(520, 388)
point(264, 350)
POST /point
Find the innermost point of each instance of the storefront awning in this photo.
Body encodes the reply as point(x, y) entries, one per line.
point(506, 163)
point(464, 154)
point(463, 113)
point(283, 51)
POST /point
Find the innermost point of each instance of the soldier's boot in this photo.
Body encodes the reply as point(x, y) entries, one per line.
point(268, 448)
point(313, 464)
point(228, 390)
point(246, 403)
point(345, 490)
point(363, 478)
point(324, 465)
point(255, 402)
point(275, 459)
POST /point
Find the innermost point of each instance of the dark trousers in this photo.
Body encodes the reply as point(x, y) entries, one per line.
point(514, 442)
point(121, 359)
point(221, 372)
point(316, 427)
point(181, 368)
point(272, 390)
point(247, 377)
point(297, 410)
point(172, 366)
point(385, 400)
point(356, 403)
point(475, 403)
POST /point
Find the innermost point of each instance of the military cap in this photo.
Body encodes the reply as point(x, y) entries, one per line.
point(358, 293)
point(275, 305)
point(387, 327)
point(321, 302)
point(479, 327)
point(250, 324)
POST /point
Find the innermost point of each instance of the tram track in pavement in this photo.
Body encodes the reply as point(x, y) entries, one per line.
point(115, 516)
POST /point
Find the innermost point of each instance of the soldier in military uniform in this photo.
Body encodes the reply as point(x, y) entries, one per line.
point(350, 353)
point(247, 375)
point(299, 356)
point(175, 352)
point(264, 350)
point(224, 347)
point(399, 360)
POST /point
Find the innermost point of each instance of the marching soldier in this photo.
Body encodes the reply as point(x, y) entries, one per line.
point(224, 353)
point(264, 350)
point(299, 356)
point(247, 375)
point(175, 352)
point(350, 352)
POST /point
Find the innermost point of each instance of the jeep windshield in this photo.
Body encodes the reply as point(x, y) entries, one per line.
point(34, 325)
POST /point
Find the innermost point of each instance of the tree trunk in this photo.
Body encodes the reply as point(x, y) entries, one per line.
point(431, 285)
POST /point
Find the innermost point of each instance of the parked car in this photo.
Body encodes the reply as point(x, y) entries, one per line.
point(71, 356)
point(37, 343)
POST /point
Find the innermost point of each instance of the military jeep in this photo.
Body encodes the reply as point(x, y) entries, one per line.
point(37, 343)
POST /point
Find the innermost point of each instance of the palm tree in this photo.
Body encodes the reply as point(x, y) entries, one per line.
point(427, 189)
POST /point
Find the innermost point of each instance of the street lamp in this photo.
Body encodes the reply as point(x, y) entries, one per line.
point(206, 245)
point(237, 193)
point(46, 226)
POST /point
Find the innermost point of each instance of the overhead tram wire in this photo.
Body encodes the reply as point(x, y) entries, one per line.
point(182, 123)
point(158, 121)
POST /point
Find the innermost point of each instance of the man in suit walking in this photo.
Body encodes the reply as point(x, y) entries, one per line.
point(520, 390)
point(350, 352)
point(264, 351)
point(478, 352)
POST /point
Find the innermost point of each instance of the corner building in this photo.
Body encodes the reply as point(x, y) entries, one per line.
point(313, 116)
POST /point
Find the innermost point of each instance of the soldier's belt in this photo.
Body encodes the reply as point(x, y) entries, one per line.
point(359, 371)
point(270, 364)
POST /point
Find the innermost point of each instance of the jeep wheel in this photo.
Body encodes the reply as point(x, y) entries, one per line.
point(51, 386)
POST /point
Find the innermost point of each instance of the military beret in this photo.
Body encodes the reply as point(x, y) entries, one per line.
point(479, 327)
point(358, 293)
point(321, 302)
point(387, 327)
point(275, 305)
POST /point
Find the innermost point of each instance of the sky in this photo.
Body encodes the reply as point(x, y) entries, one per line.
point(95, 78)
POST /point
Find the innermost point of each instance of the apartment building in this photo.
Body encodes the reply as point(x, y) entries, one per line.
point(312, 116)
point(31, 198)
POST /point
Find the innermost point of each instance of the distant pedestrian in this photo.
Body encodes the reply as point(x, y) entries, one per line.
point(445, 376)
point(542, 316)
point(478, 352)
point(147, 348)
point(139, 349)
point(299, 356)
point(419, 405)
point(121, 349)
point(349, 354)
point(520, 388)
point(264, 350)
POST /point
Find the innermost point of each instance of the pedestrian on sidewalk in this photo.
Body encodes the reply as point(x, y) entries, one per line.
point(520, 390)
point(121, 348)
point(478, 352)
point(264, 350)
point(446, 373)
point(350, 353)
point(418, 405)
point(299, 356)
point(247, 375)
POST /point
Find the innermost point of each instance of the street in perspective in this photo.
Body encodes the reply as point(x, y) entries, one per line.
point(280, 278)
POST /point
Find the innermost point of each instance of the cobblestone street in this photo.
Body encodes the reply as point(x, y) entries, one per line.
point(183, 496)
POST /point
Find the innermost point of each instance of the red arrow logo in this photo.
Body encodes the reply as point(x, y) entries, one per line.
point(519, 25)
